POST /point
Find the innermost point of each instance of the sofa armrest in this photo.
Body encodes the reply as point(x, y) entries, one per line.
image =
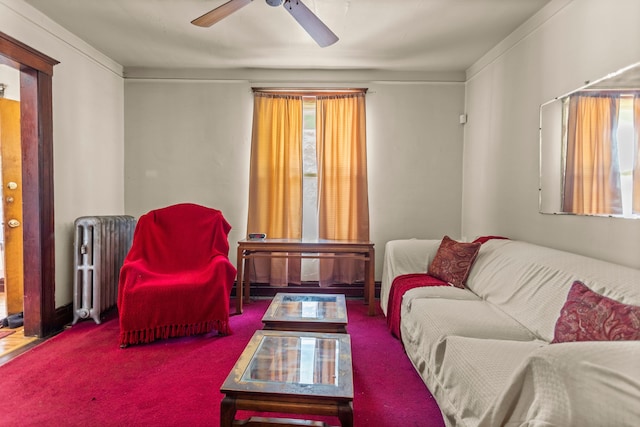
point(583, 384)
point(404, 257)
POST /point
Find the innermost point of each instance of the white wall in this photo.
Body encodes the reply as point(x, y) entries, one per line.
point(566, 44)
point(88, 129)
point(188, 139)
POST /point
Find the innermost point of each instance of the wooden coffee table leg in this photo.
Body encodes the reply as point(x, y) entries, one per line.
point(227, 411)
point(239, 280)
point(345, 414)
point(247, 281)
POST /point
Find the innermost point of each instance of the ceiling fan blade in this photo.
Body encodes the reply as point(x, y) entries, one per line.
point(220, 12)
point(311, 23)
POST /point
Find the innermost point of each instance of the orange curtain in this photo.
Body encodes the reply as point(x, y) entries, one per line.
point(343, 202)
point(592, 172)
point(275, 182)
point(636, 164)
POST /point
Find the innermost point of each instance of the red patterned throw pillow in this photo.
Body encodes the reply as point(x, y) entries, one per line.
point(453, 261)
point(588, 316)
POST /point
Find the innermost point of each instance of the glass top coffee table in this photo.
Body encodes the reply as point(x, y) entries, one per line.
point(293, 373)
point(307, 312)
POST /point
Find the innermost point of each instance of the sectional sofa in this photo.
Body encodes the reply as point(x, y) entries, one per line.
point(534, 337)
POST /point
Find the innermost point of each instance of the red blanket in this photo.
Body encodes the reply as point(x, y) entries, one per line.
point(176, 280)
point(399, 286)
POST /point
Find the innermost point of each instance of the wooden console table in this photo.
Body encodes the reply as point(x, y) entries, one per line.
point(297, 248)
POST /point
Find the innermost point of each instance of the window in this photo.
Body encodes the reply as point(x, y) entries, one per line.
point(601, 175)
point(309, 180)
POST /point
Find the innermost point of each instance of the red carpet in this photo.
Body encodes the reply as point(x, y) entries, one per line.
point(81, 377)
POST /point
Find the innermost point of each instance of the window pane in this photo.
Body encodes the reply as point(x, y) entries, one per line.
point(626, 152)
point(309, 186)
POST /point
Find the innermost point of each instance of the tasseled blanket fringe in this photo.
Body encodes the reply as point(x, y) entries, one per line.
point(171, 331)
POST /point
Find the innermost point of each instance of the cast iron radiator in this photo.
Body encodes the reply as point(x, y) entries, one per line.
point(100, 245)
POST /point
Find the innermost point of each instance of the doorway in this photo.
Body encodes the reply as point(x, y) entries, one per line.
point(11, 237)
point(38, 231)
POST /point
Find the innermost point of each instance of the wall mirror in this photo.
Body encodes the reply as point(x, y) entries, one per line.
point(589, 156)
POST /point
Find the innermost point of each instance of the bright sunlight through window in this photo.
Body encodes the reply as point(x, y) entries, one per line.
point(309, 185)
point(626, 152)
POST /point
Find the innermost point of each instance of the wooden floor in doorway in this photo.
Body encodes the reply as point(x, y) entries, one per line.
point(16, 343)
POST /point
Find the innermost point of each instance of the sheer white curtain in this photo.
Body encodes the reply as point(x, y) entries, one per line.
point(636, 165)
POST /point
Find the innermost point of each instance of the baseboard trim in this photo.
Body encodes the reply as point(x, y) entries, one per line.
point(63, 317)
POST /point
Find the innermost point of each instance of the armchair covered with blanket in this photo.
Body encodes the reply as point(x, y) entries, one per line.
point(176, 279)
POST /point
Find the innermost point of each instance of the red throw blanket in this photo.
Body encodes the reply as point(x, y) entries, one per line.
point(399, 286)
point(176, 279)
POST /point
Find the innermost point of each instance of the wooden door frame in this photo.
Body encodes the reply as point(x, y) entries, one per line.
point(36, 124)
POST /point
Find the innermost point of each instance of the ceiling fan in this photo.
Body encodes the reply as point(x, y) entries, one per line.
point(307, 19)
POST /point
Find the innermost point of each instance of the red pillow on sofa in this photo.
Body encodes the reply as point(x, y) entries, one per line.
point(453, 261)
point(588, 316)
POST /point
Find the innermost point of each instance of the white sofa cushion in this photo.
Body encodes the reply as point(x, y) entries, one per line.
point(530, 283)
point(444, 292)
point(428, 316)
point(428, 322)
point(471, 372)
point(587, 384)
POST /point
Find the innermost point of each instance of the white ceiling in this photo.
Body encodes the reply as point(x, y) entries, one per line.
point(403, 35)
